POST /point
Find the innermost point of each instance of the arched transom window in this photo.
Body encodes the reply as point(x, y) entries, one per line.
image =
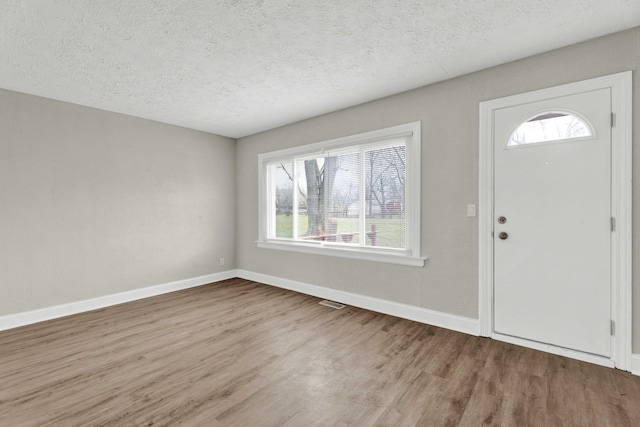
point(550, 126)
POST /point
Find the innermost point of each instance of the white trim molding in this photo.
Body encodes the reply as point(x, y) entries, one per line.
point(361, 254)
point(443, 320)
point(621, 205)
point(48, 313)
point(635, 364)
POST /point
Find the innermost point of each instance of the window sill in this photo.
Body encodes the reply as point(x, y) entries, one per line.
point(346, 252)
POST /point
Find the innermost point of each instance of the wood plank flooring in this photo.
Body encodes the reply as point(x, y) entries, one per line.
point(239, 353)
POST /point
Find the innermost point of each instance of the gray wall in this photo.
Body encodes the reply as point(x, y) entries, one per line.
point(94, 203)
point(449, 115)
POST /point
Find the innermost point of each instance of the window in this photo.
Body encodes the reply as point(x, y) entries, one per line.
point(548, 127)
point(356, 197)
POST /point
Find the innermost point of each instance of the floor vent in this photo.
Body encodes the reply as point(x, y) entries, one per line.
point(332, 304)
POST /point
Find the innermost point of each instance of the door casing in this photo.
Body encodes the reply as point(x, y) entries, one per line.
point(621, 205)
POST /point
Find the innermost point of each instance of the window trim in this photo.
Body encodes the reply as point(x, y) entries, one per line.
point(410, 257)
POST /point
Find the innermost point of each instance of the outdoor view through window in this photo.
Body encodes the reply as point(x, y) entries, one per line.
point(353, 197)
point(548, 127)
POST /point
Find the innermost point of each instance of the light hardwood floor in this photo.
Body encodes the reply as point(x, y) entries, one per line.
point(239, 353)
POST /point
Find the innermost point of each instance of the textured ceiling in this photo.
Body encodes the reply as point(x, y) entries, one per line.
point(237, 67)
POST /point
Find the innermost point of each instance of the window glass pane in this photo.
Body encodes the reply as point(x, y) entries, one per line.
point(552, 126)
point(328, 187)
point(342, 201)
point(385, 174)
point(301, 198)
point(305, 202)
point(282, 174)
point(328, 193)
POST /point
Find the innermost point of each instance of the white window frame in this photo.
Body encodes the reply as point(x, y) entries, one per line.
point(410, 256)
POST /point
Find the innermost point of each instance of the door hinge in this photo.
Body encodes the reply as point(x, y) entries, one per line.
point(613, 119)
point(613, 224)
point(613, 328)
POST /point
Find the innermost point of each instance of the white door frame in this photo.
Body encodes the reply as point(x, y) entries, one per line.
point(621, 203)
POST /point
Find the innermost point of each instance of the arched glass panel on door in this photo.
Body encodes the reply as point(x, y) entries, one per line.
point(550, 126)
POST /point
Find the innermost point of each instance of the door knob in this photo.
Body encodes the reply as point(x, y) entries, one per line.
point(503, 235)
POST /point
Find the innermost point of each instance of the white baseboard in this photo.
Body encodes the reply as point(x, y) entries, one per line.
point(418, 314)
point(28, 317)
point(405, 311)
point(635, 364)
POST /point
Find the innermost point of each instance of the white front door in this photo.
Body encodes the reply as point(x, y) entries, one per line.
point(552, 221)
